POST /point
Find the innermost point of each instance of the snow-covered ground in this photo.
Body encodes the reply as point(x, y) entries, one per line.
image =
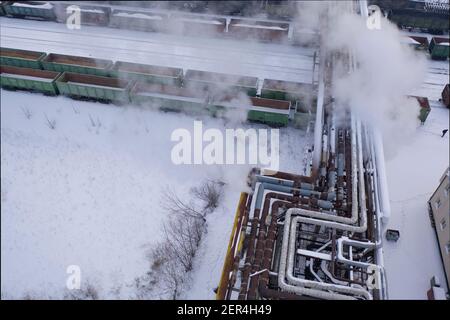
point(436, 77)
point(413, 174)
point(90, 195)
point(437, 72)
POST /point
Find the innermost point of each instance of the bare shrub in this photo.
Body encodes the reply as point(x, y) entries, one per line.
point(210, 193)
point(175, 206)
point(182, 236)
point(27, 113)
point(173, 258)
point(171, 274)
point(92, 121)
point(88, 292)
point(144, 285)
point(29, 296)
point(75, 109)
point(115, 290)
point(50, 123)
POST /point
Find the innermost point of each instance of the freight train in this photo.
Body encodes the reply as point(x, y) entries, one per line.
point(195, 92)
point(144, 19)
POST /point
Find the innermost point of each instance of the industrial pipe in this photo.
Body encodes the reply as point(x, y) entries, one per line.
point(286, 263)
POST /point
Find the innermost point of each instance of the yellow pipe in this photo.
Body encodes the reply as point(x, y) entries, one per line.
point(220, 295)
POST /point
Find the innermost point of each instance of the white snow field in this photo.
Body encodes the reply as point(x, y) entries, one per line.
point(90, 195)
point(437, 76)
point(413, 170)
point(413, 174)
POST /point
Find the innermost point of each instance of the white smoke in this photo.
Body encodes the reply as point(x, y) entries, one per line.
point(386, 72)
point(310, 13)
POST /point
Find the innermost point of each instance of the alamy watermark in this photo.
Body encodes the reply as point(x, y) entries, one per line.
point(73, 281)
point(73, 20)
point(373, 280)
point(373, 21)
point(236, 146)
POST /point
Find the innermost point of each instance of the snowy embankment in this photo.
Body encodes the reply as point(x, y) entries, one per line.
point(88, 193)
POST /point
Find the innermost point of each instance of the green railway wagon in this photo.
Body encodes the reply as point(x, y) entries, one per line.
point(168, 98)
point(415, 42)
point(263, 30)
point(445, 96)
point(286, 90)
point(138, 20)
point(439, 48)
point(425, 108)
point(147, 73)
point(76, 64)
point(218, 82)
point(220, 107)
point(193, 25)
point(32, 9)
point(29, 79)
point(270, 111)
point(21, 58)
point(302, 120)
point(215, 110)
point(2, 10)
point(226, 104)
point(270, 118)
point(89, 87)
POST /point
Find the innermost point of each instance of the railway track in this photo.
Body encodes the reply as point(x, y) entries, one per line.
point(309, 53)
point(261, 60)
